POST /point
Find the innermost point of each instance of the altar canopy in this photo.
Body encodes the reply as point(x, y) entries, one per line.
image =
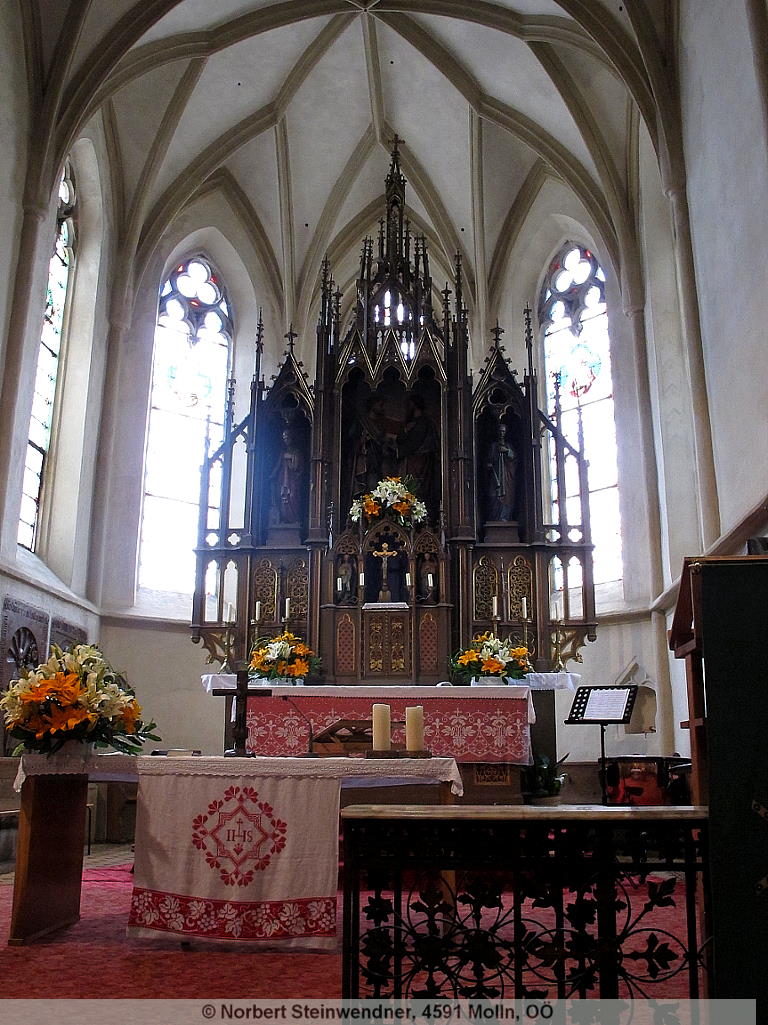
point(385, 596)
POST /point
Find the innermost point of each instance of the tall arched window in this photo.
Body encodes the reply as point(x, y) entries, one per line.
point(577, 359)
point(49, 353)
point(189, 389)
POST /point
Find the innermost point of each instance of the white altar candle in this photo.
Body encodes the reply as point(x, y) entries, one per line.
point(257, 611)
point(525, 608)
point(382, 738)
point(494, 607)
point(407, 579)
point(430, 580)
point(287, 607)
point(414, 728)
point(362, 578)
point(229, 612)
point(338, 583)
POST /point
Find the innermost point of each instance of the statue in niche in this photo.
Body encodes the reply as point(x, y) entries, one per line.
point(376, 450)
point(428, 578)
point(286, 481)
point(418, 445)
point(501, 480)
point(346, 580)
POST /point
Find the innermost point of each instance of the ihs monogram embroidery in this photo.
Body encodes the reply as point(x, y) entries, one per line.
point(239, 835)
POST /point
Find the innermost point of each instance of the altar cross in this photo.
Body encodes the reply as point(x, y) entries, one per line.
point(385, 554)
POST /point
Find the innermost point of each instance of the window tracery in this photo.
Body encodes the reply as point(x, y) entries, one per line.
point(48, 361)
point(577, 359)
point(189, 393)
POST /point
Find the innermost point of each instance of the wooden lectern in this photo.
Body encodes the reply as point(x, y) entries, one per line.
point(720, 627)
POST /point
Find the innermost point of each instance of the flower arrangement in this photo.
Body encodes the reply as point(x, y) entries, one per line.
point(488, 655)
point(393, 497)
point(284, 655)
point(75, 695)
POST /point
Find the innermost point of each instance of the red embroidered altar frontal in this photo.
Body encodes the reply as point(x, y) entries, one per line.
point(482, 724)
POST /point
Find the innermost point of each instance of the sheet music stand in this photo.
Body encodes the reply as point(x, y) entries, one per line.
point(601, 706)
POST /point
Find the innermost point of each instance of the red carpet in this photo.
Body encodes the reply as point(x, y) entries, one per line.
point(127, 968)
point(130, 968)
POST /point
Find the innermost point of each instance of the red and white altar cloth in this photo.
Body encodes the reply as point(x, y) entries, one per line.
point(483, 724)
point(246, 850)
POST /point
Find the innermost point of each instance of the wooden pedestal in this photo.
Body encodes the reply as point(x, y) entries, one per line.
point(49, 856)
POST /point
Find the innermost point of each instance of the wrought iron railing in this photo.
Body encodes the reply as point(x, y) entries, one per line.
point(513, 902)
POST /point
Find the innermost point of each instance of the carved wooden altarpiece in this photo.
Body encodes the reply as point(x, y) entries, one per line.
point(393, 395)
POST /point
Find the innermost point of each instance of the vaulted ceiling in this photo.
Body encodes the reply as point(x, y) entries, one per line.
point(289, 107)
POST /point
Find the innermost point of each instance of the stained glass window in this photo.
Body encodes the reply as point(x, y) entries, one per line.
point(189, 385)
point(41, 420)
point(577, 358)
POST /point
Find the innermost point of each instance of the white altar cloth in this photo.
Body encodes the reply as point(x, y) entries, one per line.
point(239, 849)
point(553, 681)
point(246, 849)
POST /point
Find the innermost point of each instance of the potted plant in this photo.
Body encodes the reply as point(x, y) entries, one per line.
point(543, 781)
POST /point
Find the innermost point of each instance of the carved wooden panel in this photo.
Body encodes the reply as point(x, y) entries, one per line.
point(486, 585)
point(346, 654)
point(519, 586)
point(387, 650)
point(428, 637)
point(296, 588)
point(265, 589)
point(397, 645)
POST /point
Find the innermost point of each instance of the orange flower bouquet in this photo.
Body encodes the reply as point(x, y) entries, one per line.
point(75, 695)
point(283, 657)
point(393, 497)
point(488, 655)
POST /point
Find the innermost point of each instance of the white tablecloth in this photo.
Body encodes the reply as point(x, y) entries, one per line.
point(553, 681)
point(239, 849)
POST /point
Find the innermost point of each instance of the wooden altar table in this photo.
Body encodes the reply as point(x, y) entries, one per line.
point(470, 724)
point(225, 847)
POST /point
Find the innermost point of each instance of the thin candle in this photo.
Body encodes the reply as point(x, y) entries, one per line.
point(525, 608)
point(494, 607)
point(257, 611)
point(287, 607)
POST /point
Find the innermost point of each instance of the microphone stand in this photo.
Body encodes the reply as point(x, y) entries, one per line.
point(309, 753)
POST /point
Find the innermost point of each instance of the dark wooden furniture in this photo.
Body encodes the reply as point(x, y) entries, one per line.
point(49, 856)
point(720, 627)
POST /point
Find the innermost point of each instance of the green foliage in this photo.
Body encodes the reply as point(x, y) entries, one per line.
point(544, 778)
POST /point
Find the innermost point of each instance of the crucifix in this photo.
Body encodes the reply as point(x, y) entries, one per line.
point(385, 554)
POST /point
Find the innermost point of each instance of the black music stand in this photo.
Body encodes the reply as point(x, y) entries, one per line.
point(601, 706)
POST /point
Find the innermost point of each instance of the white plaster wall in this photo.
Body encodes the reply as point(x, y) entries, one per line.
point(210, 227)
point(14, 118)
point(619, 642)
point(164, 668)
point(670, 392)
point(726, 157)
